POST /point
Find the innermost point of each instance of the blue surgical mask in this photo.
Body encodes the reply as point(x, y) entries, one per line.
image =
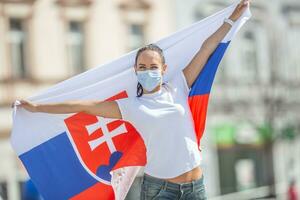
point(149, 79)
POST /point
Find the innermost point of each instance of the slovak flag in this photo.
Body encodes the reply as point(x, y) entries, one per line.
point(80, 156)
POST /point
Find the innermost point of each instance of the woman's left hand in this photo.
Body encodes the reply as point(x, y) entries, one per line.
point(239, 10)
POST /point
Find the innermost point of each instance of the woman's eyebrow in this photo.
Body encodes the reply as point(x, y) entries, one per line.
point(152, 65)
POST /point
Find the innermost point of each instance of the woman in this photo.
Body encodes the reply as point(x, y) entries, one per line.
point(172, 170)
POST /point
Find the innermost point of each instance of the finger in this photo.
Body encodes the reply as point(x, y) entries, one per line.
point(246, 2)
point(240, 5)
point(23, 101)
point(243, 4)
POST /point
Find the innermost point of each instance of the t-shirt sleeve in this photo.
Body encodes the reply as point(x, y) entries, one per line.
point(125, 106)
point(179, 81)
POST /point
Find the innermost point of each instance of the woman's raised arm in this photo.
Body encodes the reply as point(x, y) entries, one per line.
point(192, 70)
point(109, 109)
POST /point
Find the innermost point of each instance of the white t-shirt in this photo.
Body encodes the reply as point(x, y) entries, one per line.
point(165, 122)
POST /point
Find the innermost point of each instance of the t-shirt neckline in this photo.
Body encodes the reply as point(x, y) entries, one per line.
point(153, 94)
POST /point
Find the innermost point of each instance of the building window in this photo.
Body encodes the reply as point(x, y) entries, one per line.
point(243, 67)
point(75, 47)
point(293, 70)
point(135, 15)
point(290, 70)
point(249, 56)
point(136, 36)
point(17, 42)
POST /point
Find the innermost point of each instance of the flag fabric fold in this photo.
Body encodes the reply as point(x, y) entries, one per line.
point(79, 156)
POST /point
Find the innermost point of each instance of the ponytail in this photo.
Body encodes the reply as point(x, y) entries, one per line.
point(139, 91)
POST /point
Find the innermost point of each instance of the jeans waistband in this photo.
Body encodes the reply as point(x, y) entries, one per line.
point(169, 184)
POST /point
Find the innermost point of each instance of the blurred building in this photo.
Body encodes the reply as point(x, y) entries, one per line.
point(43, 42)
point(252, 133)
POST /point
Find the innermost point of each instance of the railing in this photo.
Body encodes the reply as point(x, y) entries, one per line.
point(254, 193)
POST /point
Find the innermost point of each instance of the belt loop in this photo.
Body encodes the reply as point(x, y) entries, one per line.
point(165, 185)
point(144, 178)
point(193, 185)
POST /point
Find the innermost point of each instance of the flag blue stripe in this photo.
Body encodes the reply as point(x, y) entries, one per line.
point(56, 170)
point(204, 81)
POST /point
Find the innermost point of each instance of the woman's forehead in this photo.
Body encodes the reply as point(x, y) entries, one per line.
point(149, 56)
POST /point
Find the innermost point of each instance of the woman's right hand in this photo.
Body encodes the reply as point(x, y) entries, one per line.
point(109, 109)
point(28, 105)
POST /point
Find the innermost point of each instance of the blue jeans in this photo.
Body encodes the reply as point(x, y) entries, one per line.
point(155, 188)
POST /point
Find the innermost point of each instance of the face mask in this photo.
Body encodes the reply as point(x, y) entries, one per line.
point(149, 79)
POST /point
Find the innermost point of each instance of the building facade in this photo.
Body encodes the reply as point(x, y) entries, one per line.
point(43, 42)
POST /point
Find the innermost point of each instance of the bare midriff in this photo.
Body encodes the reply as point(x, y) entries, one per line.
point(189, 176)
